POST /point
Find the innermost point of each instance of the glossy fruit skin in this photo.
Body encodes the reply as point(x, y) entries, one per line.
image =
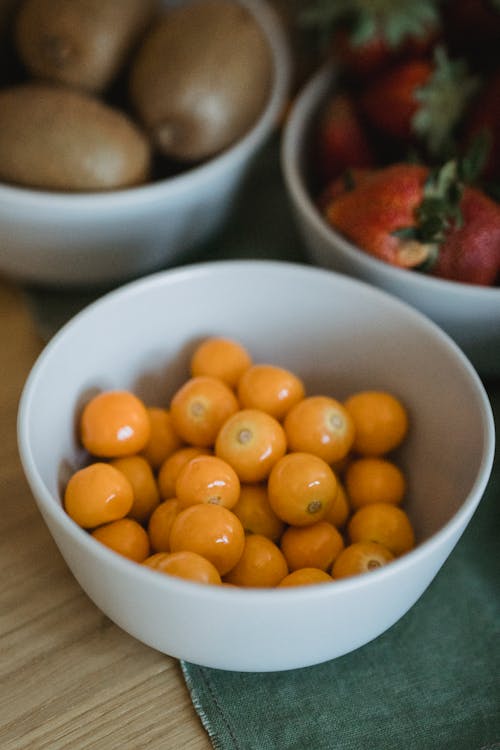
point(341, 141)
point(301, 487)
point(360, 557)
point(305, 577)
point(126, 537)
point(113, 424)
point(262, 564)
point(251, 441)
point(212, 531)
point(381, 422)
point(255, 512)
point(140, 475)
point(185, 564)
point(271, 389)
point(322, 426)
point(340, 509)
point(163, 440)
point(170, 468)
point(160, 524)
point(367, 60)
point(200, 407)
point(380, 204)
point(315, 546)
point(383, 523)
point(221, 358)
point(374, 480)
point(390, 102)
point(98, 494)
point(471, 253)
point(207, 479)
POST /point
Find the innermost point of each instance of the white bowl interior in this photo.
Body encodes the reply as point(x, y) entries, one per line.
point(340, 336)
point(469, 313)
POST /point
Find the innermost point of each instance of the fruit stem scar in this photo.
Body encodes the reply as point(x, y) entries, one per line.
point(244, 435)
point(314, 506)
point(197, 409)
point(373, 564)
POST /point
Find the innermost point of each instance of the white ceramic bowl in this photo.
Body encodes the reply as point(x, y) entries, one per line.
point(337, 333)
point(470, 314)
point(102, 238)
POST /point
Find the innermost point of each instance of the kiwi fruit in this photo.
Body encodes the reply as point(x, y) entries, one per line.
point(57, 138)
point(82, 43)
point(200, 78)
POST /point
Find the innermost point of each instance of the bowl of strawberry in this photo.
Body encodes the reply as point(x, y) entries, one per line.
point(391, 159)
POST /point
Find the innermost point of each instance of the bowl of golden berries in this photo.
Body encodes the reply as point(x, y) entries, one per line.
point(230, 451)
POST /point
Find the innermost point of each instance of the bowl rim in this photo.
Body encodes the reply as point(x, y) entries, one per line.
point(304, 105)
point(103, 201)
point(53, 508)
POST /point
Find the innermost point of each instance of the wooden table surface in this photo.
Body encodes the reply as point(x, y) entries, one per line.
point(69, 678)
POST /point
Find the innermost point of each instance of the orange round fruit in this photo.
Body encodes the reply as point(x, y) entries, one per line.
point(125, 536)
point(385, 524)
point(114, 423)
point(322, 426)
point(212, 531)
point(98, 494)
point(163, 440)
point(170, 468)
point(255, 512)
point(374, 480)
point(221, 358)
point(251, 441)
point(360, 557)
point(185, 564)
point(301, 488)
point(160, 524)
point(262, 564)
point(305, 577)
point(315, 546)
point(200, 407)
point(380, 421)
point(140, 475)
point(207, 479)
point(271, 389)
point(340, 509)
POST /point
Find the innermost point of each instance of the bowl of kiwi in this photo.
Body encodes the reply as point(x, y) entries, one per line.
point(127, 129)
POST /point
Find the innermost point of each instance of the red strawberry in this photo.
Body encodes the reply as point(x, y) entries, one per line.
point(390, 102)
point(420, 100)
point(410, 217)
point(366, 59)
point(366, 36)
point(341, 140)
point(378, 206)
point(344, 183)
point(471, 253)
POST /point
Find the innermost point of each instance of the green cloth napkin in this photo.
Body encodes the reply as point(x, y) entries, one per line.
point(431, 682)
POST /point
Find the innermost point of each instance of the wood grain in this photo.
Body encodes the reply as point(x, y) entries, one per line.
point(69, 678)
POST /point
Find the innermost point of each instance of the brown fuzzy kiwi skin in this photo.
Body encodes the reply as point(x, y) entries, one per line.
point(81, 43)
point(58, 139)
point(200, 78)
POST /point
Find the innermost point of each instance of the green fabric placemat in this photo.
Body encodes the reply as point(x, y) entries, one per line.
point(431, 682)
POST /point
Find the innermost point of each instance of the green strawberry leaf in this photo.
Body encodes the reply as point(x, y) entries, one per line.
point(392, 20)
point(442, 101)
